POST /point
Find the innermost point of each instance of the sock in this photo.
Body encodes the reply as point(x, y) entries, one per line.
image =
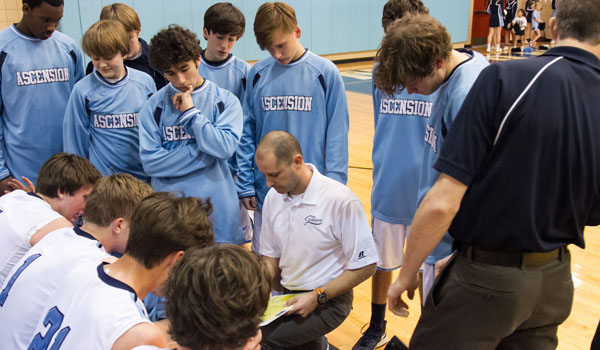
point(377, 312)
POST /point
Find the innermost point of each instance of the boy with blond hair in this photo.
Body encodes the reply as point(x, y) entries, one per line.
point(137, 56)
point(101, 120)
point(107, 219)
point(293, 90)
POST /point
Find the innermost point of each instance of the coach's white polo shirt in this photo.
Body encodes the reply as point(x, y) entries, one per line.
point(316, 235)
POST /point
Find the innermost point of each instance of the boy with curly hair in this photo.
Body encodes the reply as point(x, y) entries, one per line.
point(400, 119)
point(189, 129)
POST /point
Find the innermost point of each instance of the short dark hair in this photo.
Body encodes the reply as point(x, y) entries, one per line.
point(270, 18)
point(409, 51)
point(224, 18)
point(283, 145)
point(579, 20)
point(215, 297)
point(395, 9)
point(173, 45)
point(115, 196)
point(66, 173)
point(164, 224)
point(38, 3)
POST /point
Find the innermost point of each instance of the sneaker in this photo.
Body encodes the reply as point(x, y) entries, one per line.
point(324, 343)
point(375, 336)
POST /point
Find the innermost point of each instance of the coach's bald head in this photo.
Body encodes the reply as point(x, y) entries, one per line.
point(282, 144)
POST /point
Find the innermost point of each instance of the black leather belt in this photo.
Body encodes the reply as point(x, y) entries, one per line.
point(522, 260)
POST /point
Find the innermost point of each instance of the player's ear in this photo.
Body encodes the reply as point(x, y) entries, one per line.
point(298, 32)
point(118, 225)
point(553, 31)
point(297, 160)
point(205, 33)
point(26, 9)
point(60, 194)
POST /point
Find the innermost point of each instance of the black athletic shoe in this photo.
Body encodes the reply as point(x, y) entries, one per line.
point(324, 343)
point(375, 336)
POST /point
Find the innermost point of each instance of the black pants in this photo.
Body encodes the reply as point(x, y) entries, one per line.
point(296, 332)
point(474, 306)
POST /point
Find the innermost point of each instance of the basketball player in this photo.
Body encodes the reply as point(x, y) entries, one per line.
point(39, 67)
point(64, 183)
point(189, 130)
point(99, 305)
point(224, 25)
point(400, 120)
point(428, 64)
point(137, 56)
point(101, 120)
point(294, 90)
point(107, 219)
point(215, 297)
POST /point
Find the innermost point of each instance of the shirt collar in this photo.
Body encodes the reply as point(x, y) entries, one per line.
point(576, 54)
point(312, 190)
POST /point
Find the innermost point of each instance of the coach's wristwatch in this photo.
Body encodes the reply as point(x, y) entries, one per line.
point(321, 296)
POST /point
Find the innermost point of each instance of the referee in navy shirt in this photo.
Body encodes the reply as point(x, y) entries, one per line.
point(520, 180)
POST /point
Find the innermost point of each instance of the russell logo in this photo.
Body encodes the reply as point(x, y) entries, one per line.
point(361, 255)
point(312, 220)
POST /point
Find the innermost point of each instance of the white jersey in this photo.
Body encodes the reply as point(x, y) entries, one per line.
point(21, 216)
point(35, 277)
point(88, 310)
point(316, 235)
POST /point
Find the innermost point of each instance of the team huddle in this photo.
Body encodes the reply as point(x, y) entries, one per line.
point(143, 178)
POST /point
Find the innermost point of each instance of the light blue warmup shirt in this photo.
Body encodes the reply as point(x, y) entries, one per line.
point(400, 122)
point(451, 95)
point(101, 121)
point(229, 74)
point(36, 80)
point(305, 98)
point(187, 153)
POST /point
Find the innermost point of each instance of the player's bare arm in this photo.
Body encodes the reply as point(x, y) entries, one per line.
point(49, 227)
point(141, 334)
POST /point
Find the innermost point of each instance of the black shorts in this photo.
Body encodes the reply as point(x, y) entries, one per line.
point(518, 30)
point(495, 20)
